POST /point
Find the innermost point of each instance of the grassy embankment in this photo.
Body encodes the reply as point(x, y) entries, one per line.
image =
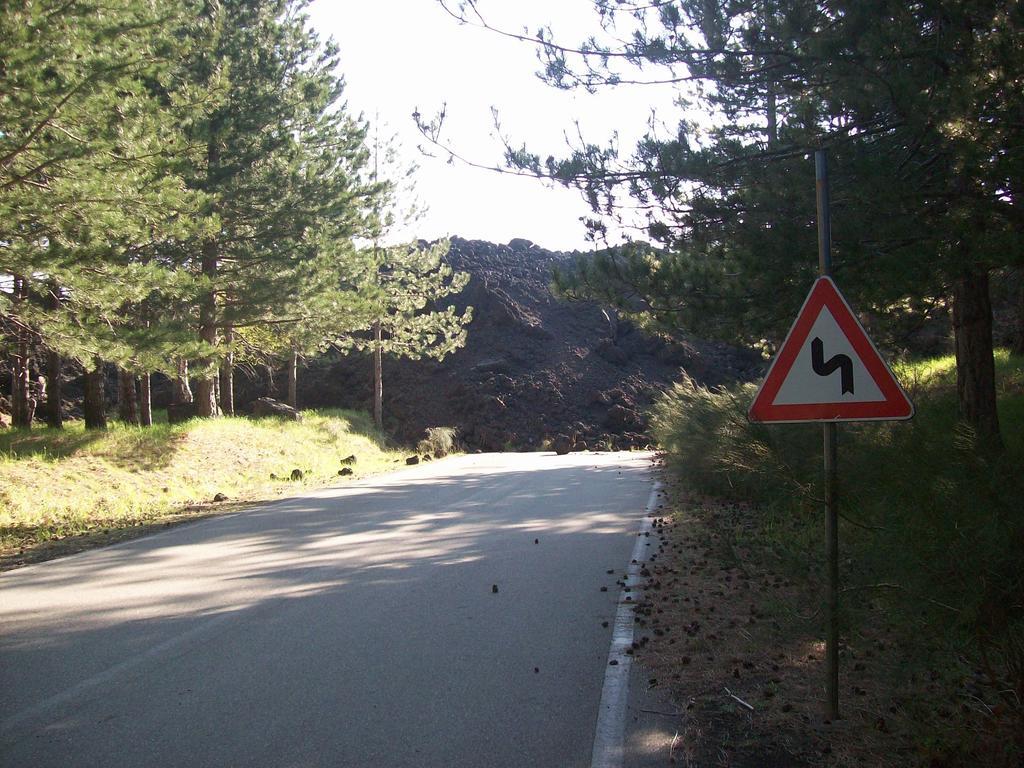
point(932, 566)
point(66, 490)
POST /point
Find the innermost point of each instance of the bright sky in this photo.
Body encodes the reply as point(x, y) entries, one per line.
point(402, 55)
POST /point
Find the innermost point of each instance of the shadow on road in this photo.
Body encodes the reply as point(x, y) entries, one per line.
point(409, 542)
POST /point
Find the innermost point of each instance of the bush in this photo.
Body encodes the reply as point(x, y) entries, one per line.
point(710, 443)
point(440, 441)
point(925, 514)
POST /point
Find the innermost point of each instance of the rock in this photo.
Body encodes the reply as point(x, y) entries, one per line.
point(614, 354)
point(622, 419)
point(349, 460)
point(268, 406)
point(220, 497)
point(493, 365)
point(520, 244)
point(561, 444)
point(412, 460)
point(676, 354)
point(297, 474)
point(580, 445)
point(345, 471)
point(179, 412)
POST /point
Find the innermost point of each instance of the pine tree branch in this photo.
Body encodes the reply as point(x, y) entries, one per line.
point(6, 160)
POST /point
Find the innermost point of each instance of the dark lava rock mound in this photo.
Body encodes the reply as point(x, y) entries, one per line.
point(533, 368)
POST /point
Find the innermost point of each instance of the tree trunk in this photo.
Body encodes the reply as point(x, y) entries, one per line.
point(127, 400)
point(22, 405)
point(182, 391)
point(145, 401)
point(206, 402)
point(20, 412)
point(95, 404)
point(378, 378)
point(16, 403)
point(293, 379)
point(227, 376)
point(1018, 338)
point(975, 365)
point(54, 370)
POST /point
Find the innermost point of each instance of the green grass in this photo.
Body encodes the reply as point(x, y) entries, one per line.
point(73, 484)
point(932, 529)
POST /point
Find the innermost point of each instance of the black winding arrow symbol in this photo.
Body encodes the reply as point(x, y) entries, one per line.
point(843, 363)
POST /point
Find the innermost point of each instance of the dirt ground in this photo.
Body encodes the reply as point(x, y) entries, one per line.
point(740, 650)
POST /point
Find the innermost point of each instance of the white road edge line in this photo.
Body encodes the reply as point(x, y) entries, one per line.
point(610, 733)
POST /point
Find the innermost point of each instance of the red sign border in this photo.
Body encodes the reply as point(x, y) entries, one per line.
point(895, 407)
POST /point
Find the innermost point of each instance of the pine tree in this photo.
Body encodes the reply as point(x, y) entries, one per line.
point(332, 305)
point(402, 283)
point(280, 174)
point(919, 108)
point(403, 287)
point(87, 141)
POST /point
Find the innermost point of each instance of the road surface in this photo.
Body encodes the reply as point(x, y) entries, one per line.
point(352, 626)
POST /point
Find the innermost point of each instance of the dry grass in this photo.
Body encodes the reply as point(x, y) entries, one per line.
point(66, 490)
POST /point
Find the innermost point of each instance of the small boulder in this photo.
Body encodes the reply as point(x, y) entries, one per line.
point(268, 406)
point(345, 471)
point(412, 460)
point(349, 460)
point(297, 474)
point(220, 497)
point(520, 244)
point(561, 444)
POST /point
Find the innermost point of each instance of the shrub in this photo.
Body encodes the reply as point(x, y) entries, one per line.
point(712, 445)
point(440, 441)
point(925, 514)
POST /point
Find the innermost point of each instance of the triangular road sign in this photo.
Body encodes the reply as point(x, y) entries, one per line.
point(828, 369)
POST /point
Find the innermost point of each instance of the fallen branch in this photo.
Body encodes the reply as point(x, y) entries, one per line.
point(738, 700)
point(871, 586)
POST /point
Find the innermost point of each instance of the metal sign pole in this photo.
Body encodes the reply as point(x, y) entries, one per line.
point(831, 456)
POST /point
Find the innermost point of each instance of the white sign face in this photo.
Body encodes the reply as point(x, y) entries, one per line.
point(827, 369)
point(805, 385)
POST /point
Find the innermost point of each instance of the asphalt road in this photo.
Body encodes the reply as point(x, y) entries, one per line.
point(353, 626)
